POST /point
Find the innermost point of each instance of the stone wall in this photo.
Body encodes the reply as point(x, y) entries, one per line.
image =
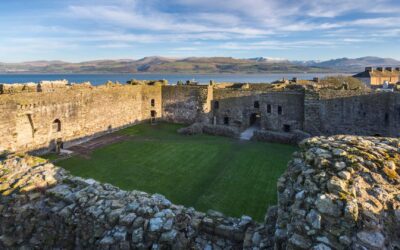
point(330, 112)
point(340, 192)
point(234, 105)
point(41, 116)
point(291, 114)
point(293, 137)
point(186, 104)
point(43, 207)
point(37, 120)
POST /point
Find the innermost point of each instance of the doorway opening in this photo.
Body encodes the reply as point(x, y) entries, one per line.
point(59, 145)
point(153, 115)
point(255, 119)
point(226, 120)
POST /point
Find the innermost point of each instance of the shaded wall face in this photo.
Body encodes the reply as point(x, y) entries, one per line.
point(365, 80)
point(373, 114)
point(235, 111)
point(236, 107)
point(185, 104)
point(282, 111)
point(30, 122)
point(273, 111)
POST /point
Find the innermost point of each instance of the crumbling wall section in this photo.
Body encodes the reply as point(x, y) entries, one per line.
point(43, 207)
point(341, 192)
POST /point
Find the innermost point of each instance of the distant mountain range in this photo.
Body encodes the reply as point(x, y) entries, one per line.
point(199, 65)
point(353, 65)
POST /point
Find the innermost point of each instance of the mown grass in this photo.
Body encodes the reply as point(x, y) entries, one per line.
point(206, 172)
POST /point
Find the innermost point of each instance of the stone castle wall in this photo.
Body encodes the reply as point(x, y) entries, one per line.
point(235, 105)
point(186, 104)
point(330, 112)
point(291, 115)
point(35, 120)
point(32, 112)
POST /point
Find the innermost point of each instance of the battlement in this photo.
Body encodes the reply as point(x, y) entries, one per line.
point(42, 86)
point(379, 76)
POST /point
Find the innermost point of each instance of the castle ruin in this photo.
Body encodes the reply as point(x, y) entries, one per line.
point(339, 192)
point(51, 115)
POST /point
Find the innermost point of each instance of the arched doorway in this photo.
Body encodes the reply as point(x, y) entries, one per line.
point(56, 126)
point(255, 119)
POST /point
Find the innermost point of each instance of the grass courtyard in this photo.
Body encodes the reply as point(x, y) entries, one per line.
point(205, 172)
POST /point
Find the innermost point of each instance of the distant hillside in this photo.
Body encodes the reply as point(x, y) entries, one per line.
point(200, 65)
point(354, 65)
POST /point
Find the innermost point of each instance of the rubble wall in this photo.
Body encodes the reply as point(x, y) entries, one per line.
point(341, 192)
point(43, 207)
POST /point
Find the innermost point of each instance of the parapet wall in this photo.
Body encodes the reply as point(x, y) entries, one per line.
point(42, 86)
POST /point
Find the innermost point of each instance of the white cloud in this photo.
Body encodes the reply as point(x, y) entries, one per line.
point(200, 26)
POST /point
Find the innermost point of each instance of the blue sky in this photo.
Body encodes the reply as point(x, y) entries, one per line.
point(80, 30)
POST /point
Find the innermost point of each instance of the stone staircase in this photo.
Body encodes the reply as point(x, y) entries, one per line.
point(248, 133)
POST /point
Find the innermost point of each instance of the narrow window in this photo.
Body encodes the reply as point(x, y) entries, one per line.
point(153, 114)
point(279, 110)
point(216, 104)
point(226, 120)
point(153, 102)
point(56, 125)
point(386, 118)
point(269, 108)
point(256, 104)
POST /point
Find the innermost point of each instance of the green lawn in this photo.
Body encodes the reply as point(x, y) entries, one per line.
point(206, 172)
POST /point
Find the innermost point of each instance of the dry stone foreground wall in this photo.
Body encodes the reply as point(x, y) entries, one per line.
point(43, 207)
point(341, 192)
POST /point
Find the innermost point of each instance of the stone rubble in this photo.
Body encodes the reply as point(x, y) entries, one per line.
point(341, 192)
point(43, 206)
